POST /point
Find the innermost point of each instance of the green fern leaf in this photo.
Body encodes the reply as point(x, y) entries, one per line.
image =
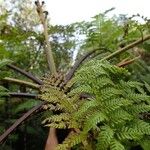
point(147, 86)
point(116, 145)
point(93, 120)
point(105, 137)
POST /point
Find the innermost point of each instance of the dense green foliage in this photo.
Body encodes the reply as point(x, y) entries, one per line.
point(112, 115)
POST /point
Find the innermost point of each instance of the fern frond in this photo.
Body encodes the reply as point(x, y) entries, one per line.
point(133, 85)
point(105, 137)
point(120, 115)
point(56, 107)
point(127, 133)
point(60, 125)
point(110, 91)
point(142, 126)
point(110, 113)
point(82, 89)
point(115, 103)
point(85, 107)
point(58, 118)
point(137, 98)
point(147, 87)
point(116, 145)
point(93, 119)
point(137, 109)
point(71, 141)
point(54, 95)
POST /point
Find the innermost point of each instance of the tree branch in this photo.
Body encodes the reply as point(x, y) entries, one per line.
point(125, 63)
point(27, 74)
point(145, 38)
point(22, 82)
point(22, 95)
point(20, 120)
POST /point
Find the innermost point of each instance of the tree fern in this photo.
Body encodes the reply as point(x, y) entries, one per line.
point(110, 114)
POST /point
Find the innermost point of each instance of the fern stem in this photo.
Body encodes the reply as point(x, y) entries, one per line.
point(20, 120)
point(48, 50)
point(23, 95)
point(27, 74)
point(22, 82)
point(125, 63)
point(141, 40)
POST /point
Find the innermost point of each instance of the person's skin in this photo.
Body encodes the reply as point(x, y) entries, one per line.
point(52, 141)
